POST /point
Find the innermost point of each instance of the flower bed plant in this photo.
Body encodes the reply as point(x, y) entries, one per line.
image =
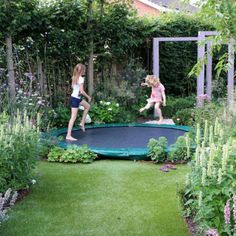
point(72, 154)
point(19, 145)
point(212, 179)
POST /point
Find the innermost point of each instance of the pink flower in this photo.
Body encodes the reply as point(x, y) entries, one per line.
point(227, 212)
point(234, 208)
point(203, 97)
point(212, 232)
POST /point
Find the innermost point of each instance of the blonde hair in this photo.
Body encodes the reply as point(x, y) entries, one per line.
point(78, 71)
point(152, 80)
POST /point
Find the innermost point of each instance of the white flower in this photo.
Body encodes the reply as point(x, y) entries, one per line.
point(101, 102)
point(108, 103)
point(33, 181)
point(117, 104)
point(20, 91)
point(109, 109)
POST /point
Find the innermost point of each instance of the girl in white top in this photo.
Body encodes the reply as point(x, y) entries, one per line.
point(76, 101)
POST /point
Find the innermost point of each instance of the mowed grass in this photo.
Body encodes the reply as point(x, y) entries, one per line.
point(108, 197)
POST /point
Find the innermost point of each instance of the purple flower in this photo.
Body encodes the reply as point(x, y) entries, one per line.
point(234, 208)
point(227, 212)
point(29, 76)
point(212, 232)
point(203, 97)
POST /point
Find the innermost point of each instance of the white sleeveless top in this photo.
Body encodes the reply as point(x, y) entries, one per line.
point(76, 88)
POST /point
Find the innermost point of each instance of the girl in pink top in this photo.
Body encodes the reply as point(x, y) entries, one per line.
point(157, 97)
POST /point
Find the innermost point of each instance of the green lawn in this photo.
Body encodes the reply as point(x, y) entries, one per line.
point(107, 197)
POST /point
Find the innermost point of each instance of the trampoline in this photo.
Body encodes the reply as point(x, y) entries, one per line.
point(121, 140)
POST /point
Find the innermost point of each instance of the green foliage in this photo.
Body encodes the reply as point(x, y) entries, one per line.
point(212, 179)
point(72, 154)
point(4, 118)
point(198, 115)
point(176, 104)
point(62, 116)
point(16, 15)
point(185, 117)
point(157, 149)
point(105, 112)
point(181, 150)
point(19, 145)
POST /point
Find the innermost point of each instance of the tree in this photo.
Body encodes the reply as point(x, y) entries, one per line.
point(15, 16)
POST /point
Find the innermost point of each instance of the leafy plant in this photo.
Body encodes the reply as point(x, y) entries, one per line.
point(19, 145)
point(212, 179)
point(105, 112)
point(157, 149)
point(72, 154)
point(181, 150)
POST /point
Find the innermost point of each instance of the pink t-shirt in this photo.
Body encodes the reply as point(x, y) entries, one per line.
point(156, 95)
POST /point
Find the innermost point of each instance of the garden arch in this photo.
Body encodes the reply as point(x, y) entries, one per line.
point(203, 78)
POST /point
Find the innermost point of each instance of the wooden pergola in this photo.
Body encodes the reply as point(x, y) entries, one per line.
point(205, 75)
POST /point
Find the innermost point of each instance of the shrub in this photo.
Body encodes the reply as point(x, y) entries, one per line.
point(180, 150)
point(157, 149)
point(105, 112)
point(72, 154)
point(176, 104)
point(19, 142)
point(184, 117)
point(212, 179)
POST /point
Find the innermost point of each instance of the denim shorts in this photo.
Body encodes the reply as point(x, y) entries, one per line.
point(74, 102)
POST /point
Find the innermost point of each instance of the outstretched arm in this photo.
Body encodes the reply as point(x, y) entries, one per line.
point(144, 84)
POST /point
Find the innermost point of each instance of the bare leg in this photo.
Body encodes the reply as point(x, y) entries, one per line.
point(74, 112)
point(158, 110)
point(146, 107)
point(85, 112)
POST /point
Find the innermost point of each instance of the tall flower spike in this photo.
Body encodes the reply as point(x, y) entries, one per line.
point(227, 212)
point(234, 210)
point(198, 134)
point(219, 176)
point(206, 131)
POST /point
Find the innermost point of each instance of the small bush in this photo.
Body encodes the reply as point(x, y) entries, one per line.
point(180, 151)
point(157, 149)
point(184, 117)
point(105, 112)
point(19, 145)
point(72, 154)
point(176, 104)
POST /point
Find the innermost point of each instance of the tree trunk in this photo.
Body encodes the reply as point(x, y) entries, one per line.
point(41, 77)
point(90, 70)
point(11, 74)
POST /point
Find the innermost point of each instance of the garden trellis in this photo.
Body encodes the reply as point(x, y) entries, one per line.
point(205, 75)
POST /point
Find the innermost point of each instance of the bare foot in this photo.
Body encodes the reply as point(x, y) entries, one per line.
point(160, 121)
point(70, 138)
point(82, 127)
point(141, 110)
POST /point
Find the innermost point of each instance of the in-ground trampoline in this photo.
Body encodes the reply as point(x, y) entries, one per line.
point(128, 141)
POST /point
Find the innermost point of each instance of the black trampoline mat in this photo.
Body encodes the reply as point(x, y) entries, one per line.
point(123, 137)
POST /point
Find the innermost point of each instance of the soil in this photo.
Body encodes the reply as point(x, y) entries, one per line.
point(22, 193)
